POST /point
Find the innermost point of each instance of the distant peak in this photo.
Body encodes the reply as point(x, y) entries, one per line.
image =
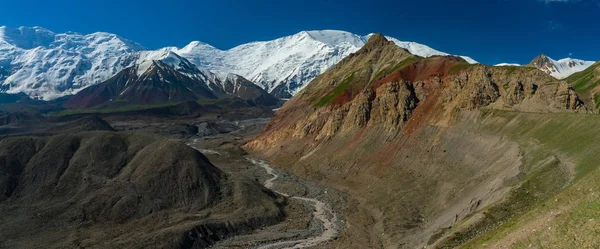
point(197, 45)
point(377, 38)
point(194, 44)
point(375, 41)
point(542, 61)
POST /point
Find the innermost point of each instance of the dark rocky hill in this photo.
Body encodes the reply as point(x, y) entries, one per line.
point(119, 190)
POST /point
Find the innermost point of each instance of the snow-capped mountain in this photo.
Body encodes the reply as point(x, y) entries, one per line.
point(43, 64)
point(220, 83)
point(47, 65)
point(284, 66)
point(150, 82)
point(562, 68)
point(178, 63)
point(507, 64)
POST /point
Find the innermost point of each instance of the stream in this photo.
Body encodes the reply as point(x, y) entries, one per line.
point(322, 214)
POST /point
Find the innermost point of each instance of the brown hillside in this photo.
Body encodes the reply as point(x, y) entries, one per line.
point(405, 146)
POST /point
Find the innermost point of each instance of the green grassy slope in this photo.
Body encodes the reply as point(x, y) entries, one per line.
point(585, 80)
point(545, 212)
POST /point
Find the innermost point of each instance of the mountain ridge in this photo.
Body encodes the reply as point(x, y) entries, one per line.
point(560, 69)
point(289, 71)
point(47, 65)
point(77, 61)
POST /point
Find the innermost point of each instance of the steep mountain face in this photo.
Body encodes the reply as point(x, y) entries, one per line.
point(388, 127)
point(560, 69)
point(150, 82)
point(222, 85)
point(240, 87)
point(284, 66)
point(46, 65)
point(161, 77)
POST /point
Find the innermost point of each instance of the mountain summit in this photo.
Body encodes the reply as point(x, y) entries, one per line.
point(377, 40)
point(47, 65)
point(560, 69)
point(286, 65)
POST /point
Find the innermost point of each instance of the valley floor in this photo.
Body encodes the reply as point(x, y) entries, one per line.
point(309, 222)
point(550, 200)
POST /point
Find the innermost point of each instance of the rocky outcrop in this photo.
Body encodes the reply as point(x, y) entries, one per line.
point(389, 105)
point(393, 104)
point(371, 89)
point(522, 89)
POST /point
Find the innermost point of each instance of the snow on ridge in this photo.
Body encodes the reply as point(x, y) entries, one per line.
point(565, 67)
point(143, 67)
point(73, 61)
point(290, 62)
point(46, 65)
point(336, 37)
point(421, 49)
point(507, 64)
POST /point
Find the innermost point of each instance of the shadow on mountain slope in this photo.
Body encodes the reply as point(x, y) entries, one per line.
point(120, 190)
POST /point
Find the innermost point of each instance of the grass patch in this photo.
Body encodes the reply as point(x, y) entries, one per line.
point(584, 81)
point(403, 63)
point(459, 67)
point(339, 89)
point(512, 69)
point(399, 65)
point(380, 73)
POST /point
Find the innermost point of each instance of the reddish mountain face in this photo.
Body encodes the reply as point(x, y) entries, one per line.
point(399, 133)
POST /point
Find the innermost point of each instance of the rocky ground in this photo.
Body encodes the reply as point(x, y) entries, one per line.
point(219, 138)
point(220, 141)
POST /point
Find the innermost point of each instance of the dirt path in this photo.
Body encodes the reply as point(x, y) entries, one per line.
point(322, 213)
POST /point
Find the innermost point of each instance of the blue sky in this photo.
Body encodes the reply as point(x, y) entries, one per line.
point(490, 31)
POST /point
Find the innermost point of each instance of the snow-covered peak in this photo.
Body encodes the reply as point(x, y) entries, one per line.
point(562, 68)
point(47, 65)
point(335, 37)
point(285, 65)
point(26, 37)
point(164, 55)
point(196, 47)
point(507, 64)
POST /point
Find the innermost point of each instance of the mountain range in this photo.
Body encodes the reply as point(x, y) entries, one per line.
point(560, 69)
point(47, 65)
point(161, 77)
